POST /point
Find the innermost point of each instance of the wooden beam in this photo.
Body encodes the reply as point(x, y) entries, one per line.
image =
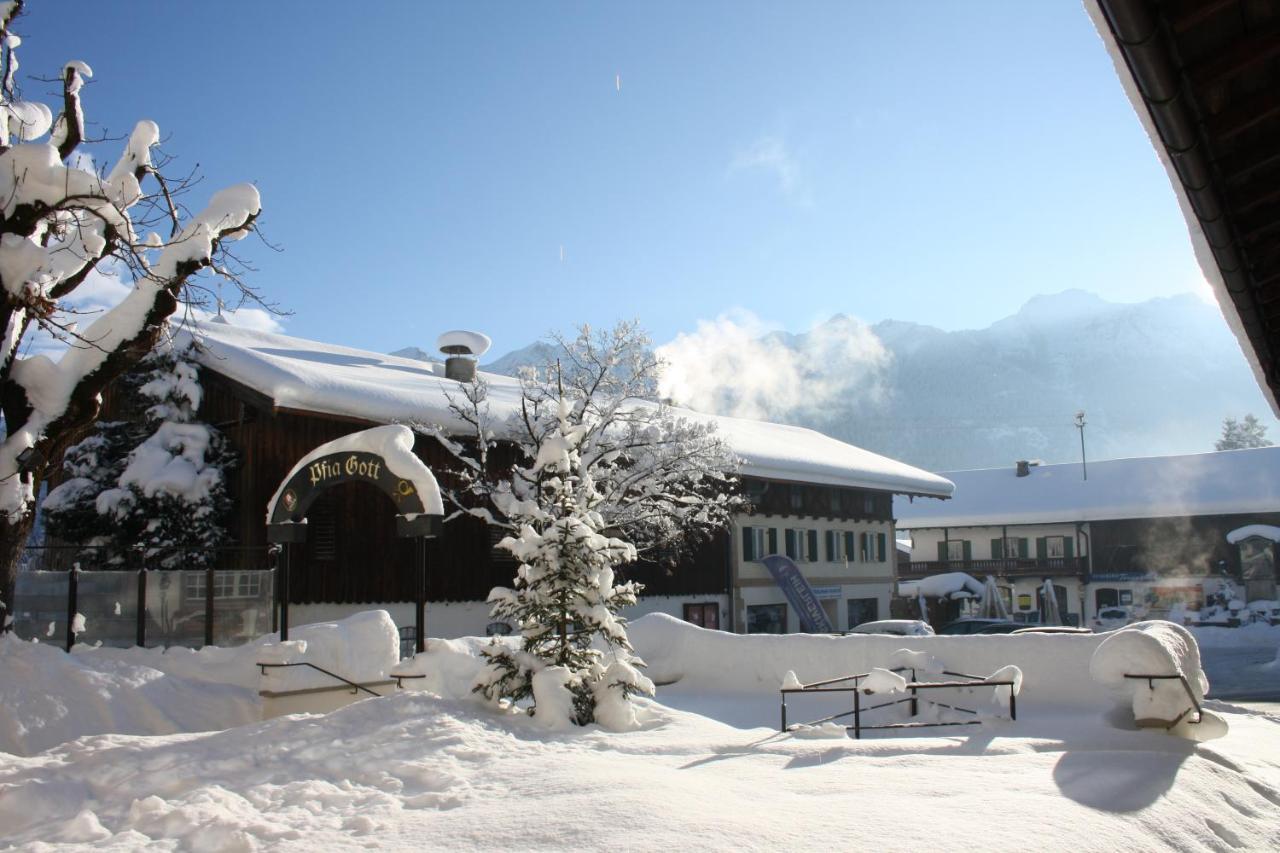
point(1242, 115)
point(1198, 13)
point(1235, 58)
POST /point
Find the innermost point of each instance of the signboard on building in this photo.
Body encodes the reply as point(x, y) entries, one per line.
point(801, 596)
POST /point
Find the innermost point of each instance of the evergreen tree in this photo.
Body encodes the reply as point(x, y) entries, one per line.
point(602, 473)
point(1238, 435)
point(158, 485)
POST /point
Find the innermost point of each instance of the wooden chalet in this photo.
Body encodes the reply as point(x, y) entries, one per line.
point(277, 398)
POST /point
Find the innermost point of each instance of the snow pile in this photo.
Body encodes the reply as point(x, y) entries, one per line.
point(948, 585)
point(1152, 648)
point(1262, 531)
point(48, 697)
point(921, 661)
point(881, 680)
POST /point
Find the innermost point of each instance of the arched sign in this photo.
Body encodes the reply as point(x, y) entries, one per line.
point(382, 456)
point(308, 482)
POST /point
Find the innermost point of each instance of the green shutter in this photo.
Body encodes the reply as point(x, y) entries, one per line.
point(789, 537)
point(850, 553)
point(1042, 548)
point(748, 551)
point(1024, 548)
point(831, 546)
point(1068, 547)
point(942, 551)
point(997, 549)
point(773, 540)
point(812, 554)
point(968, 552)
point(880, 546)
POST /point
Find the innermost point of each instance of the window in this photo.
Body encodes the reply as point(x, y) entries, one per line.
point(1106, 597)
point(1055, 547)
point(225, 584)
point(955, 550)
point(703, 614)
point(835, 546)
point(797, 497)
point(754, 543)
point(1009, 548)
point(767, 619)
point(863, 610)
point(1126, 597)
point(869, 504)
point(881, 547)
point(850, 551)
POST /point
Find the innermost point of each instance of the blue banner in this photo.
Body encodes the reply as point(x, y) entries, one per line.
point(813, 619)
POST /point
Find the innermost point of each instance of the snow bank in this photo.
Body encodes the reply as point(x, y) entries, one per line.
point(1256, 635)
point(48, 697)
point(1054, 667)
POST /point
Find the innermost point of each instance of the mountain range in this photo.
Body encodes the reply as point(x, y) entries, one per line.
point(1152, 377)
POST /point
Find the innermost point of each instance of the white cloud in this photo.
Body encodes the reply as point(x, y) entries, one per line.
point(734, 366)
point(771, 154)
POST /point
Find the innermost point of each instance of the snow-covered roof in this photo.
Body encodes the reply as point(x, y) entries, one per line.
point(337, 380)
point(1224, 483)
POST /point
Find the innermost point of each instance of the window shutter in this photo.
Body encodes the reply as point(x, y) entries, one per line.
point(942, 551)
point(1068, 547)
point(812, 550)
point(789, 537)
point(773, 540)
point(748, 545)
point(968, 551)
point(830, 536)
point(997, 549)
point(1042, 548)
point(850, 552)
point(1024, 549)
point(880, 546)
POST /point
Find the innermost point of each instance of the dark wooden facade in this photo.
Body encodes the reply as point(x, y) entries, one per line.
point(1178, 546)
point(352, 555)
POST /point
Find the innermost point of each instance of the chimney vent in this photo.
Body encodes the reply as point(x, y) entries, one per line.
point(463, 348)
point(1024, 468)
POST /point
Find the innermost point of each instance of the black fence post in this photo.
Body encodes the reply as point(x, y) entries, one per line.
point(857, 712)
point(420, 604)
point(283, 589)
point(73, 591)
point(208, 604)
point(141, 636)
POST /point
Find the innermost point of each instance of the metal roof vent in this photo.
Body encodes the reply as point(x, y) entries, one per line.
point(1024, 467)
point(462, 348)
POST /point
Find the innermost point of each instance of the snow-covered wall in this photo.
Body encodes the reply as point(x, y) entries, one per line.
point(1055, 667)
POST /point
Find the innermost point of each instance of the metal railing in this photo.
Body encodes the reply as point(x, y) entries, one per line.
point(1186, 686)
point(1008, 567)
point(355, 688)
point(913, 686)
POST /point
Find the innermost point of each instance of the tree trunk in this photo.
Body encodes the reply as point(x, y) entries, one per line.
point(13, 538)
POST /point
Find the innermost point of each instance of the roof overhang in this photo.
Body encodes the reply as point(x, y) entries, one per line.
point(1204, 78)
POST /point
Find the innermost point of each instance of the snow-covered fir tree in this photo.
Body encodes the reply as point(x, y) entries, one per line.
point(602, 474)
point(62, 224)
point(159, 486)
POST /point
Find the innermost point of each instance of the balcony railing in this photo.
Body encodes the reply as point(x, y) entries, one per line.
point(1012, 567)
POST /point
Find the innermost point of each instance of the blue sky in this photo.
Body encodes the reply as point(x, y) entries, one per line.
point(423, 164)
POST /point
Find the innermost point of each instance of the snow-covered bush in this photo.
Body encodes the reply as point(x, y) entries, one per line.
point(601, 474)
point(159, 486)
point(60, 225)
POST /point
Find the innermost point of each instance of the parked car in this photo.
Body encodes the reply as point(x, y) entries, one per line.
point(897, 627)
point(1053, 629)
point(1111, 618)
point(1266, 611)
point(979, 626)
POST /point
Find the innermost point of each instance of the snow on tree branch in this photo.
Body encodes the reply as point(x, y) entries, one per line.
point(58, 223)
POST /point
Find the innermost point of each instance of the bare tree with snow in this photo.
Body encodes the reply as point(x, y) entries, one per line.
point(60, 223)
point(601, 474)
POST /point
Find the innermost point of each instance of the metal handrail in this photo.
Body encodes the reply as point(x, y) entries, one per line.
point(355, 688)
point(913, 685)
point(1186, 686)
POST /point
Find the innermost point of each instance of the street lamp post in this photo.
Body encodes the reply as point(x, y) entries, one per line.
point(1084, 464)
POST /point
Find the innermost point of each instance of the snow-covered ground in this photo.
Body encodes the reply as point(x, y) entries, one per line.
point(708, 768)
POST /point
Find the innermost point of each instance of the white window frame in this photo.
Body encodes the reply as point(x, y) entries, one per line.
point(1060, 542)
